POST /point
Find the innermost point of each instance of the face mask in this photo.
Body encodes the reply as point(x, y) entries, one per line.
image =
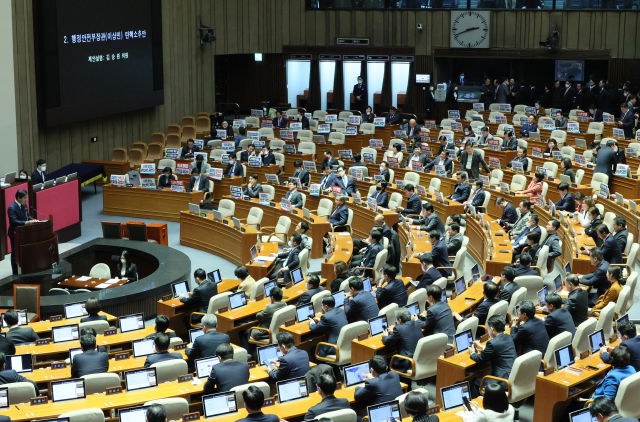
point(124, 261)
point(359, 82)
point(455, 89)
point(473, 188)
point(290, 243)
point(341, 174)
point(381, 168)
point(466, 132)
point(44, 168)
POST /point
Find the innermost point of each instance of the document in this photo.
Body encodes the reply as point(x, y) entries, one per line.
point(83, 278)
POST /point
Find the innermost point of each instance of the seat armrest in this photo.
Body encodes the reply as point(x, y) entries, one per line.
point(537, 269)
point(498, 379)
point(322, 343)
point(258, 341)
point(333, 228)
point(455, 273)
point(191, 319)
point(413, 365)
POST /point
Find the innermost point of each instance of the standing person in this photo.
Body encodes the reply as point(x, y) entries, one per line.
point(200, 296)
point(18, 216)
point(39, 176)
point(470, 160)
point(627, 120)
point(486, 93)
point(452, 97)
point(606, 161)
point(360, 95)
point(502, 93)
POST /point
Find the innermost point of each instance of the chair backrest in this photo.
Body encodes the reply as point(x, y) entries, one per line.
point(258, 288)
point(20, 392)
point(395, 200)
point(154, 151)
point(98, 383)
point(267, 132)
point(559, 135)
point(174, 406)
point(255, 217)
point(99, 326)
point(579, 176)
point(497, 174)
point(543, 255)
point(140, 145)
point(305, 135)
point(325, 206)
point(545, 189)
point(136, 156)
point(55, 291)
point(608, 220)
point(203, 124)
point(633, 277)
point(167, 162)
point(270, 190)
point(390, 312)
point(368, 128)
point(279, 318)
point(560, 340)
point(518, 182)
point(266, 390)
point(303, 257)
point(344, 415)
point(600, 208)
point(339, 126)
point(317, 300)
point(605, 322)
point(119, 154)
point(420, 296)
point(523, 376)
point(628, 397)
point(493, 115)
point(84, 415)
point(100, 271)
point(226, 207)
point(307, 147)
point(175, 340)
point(597, 179)
point(499, 308)
point(381, 258)
point(319, 114)
point(459, 261)
point(370, 151)
point(170, 370)
point(446, 123)
point(283, 226)
point(411, 177)
point(336, 137)
point(428, 350)
point(468, 324)
point(623, 302)
point(517, 297)
point(348, 333)
point(344, 115)
point(580, 340)
point(158, 137)
point(552, 168)
point(111, 229)
point(569, 152)
point(218, 301)
point(252, 120)
point(244, 144)
point(279, 158)
point(543, 119)
point(596, 127)
point(628, 246)
point(434, 185)
point(173, 140)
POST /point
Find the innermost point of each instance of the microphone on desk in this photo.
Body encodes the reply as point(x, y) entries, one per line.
point(45, 217)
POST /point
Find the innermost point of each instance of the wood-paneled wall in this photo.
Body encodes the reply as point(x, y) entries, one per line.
point(265, 26)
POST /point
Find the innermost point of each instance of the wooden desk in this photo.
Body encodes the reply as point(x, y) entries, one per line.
point(45, 327)
point(342, 245)
point(91, 284)
point(147, 203)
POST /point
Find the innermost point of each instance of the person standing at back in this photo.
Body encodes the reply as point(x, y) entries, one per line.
point(200, 296)
point(38, 176)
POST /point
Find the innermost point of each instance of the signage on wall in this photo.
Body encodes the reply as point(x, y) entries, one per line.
point(352, 41)
point(352, 57)
point(301, 56)
point(402, 58)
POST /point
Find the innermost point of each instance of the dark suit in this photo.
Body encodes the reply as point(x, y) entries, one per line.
point(164, 181)
point(186, 150)
point(328, 404)
point(433, 222)
point(385, 174)
point(381, 389)
point(89, 362)
point(606, 162)
point(553, 242)
point(530, 336)
point(339, 216)
point(596, 116)
point(254, 191)
point(330, 162)
point(161, 357)
point(295, 198)
point(478, 198)
point(234, 169)
point(206, 345)
point(226, 375)
point(279, 123)
point(476, 160)
point(439, 320)
point(405, 337)
point(508, 290)
point(290, 260)
point(268, 159)
point(361, 307)
point(244, 156)
point(567, 99)
point(500, 353)
point(392, 119)
point(461, 192)
point(18, 216)
point(509, 144)
point(501, 94)
point(305, 122)
point(509, 214)
point(20, 335)
point(422, 158)
point(203, 183)
point(527, 128)
point(303, 175)
point(264, 318)
point(327, 181)
point(566, 203)
point(6, 346)
point(621, 238)
point(440, 256)
point(392, 292)
point(483, 309)
point(259, 417)
point(360, 90)
point(454, 243)
point(10, 376)
point(611, 250)
point(559, 321)
point(131, 273)
point(578, 305)
point(521, 271)
point(428, 278)
point(448, 164)
point(628, 122)
point(414, 205)
point(200, 297)
point(37, 177)
point(292, 365)
point(94, 318)
point(330, 324)
point(590, 230)
point(368, 259)
point(598, 281)
point(171, 334)
point(633, 345)
point(347, 189)
point(381, 197)
point(413, 133)
point(306, 296)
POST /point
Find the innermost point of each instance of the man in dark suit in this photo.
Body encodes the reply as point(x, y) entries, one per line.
point(509, 213)
point(161, 342)
point(367, 256)
point(610, 248)
point(393, 117)
point(288, 260)
point(509, 143)
point(414, 203)
point(627, 120)
point(329, 161)
point(442, 160)
point(6, 346)
point(313, 287)
point(378, 224)
point(461, 190)
point(199, 182)
point(478, 195)
point(329, 324)
point(594, 115)
point(199, 298)
point(552, 240)
point(520, 241)
point(294, 363)
point(360, 305)
point(279, 122)
point(473, 167)
point(439, 253)
point(579, 99)
point(499, 352)
point(490, 292)
point(453, 239)
point(18, 216)
point(559, 319)
point(604, 409)
point(566, 201)
point(380, 385)
point(328, 180)
point(509, 287)
point(189, 150)
point(438, 317)
point(9, 376)
point(249, 152)
point(233, 168)
point(629, 338)
point(161, 326)
point(293, 195)
point(267, 156)
point(430, 273)
point(340, 214)
point(345, 182)
point(606, 161)
point(502, 92)
point(523, 267)
point(360, 95)
point(228, 373)
point(17, 334)
point(430, 220)
point(621, 233)
point(567, 97)
point(326, 387)
point(392, 289)
point(264, 319)
point(253, 400)
point(598, 278)
point(417, 156)
point(577, 303)
point(405, 336)
point(206, 345)
point(413, 131)
point(39, 176)
point(527, 331)
point(90, 361)
point(301, 173)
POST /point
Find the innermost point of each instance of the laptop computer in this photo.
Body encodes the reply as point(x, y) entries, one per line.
point(463, 340)
point(67, 390)
point(254, 253)
point(219, 404)
point(73, 352)
point(237, 300)
point(383, 412)
point(292, 389)
point(564, 179)
point(143, 347)
point(339, 298)
point(203, 366)
point(564, 356)
point(596, 341)
point(10, 177)
point(306, 213)
point(133, 414)
point(19, 363)
point(355, 374)
point(65, 333)
point(461, 286)
point(558, 282)
point(141, 379)
point(194, 209)
point(567, 268)
point(582, 415)
point(475, 272)
point(452, 396)
point(366, 284)
point(377, 325)
point(414, 308)
point(194, 333)
point(180, 287)
point(542, 293)
point(75, 310)
point(214, 276)
point(22, 319)
point(131, 323)
point(303, 312)
point(4, 398)
point(267, 288)
point(269, 353)
point(296, 276)
point(623, 318)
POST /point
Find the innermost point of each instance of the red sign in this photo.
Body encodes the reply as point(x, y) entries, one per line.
point(424, 136)
point(177, 183)
point(393, 161)
point(337, 190)
point(536, 152)
point(494, 161)
point(494, 144)
point(426, 149)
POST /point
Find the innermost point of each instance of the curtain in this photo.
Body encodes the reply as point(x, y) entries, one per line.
point(385, 98)
point(410, 101)
point(314, 102)
point(338, 88)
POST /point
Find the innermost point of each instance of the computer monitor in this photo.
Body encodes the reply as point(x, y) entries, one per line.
point(4, 398)
point(303, 312)
point(254, 253)
point(141, 379)
point(296, 276)
point(194, 209)
point(65, 333)
point(463, 340)
point(203, 366)
point(237, 300)
point(383, 412)
point(623, 318)
point(214, 276)
point(219, 404)
point(377, 325)
point(180, 287)
point(267, 288)
point(75, 310)
point(19, 363)
point(542, 293)
point(292, 389)
point(567, 268)
point(414, 308)
point(452, 396)
point(339, 298)
point(73, 352)
point(22, 319)
point(564, 356)
point(475, 270)
point(461, 286)
point(134, 414)
point(194, 333)
point(143, 347)
point(67, 390)
point(596, 341)
point(268, 353)
point(10, 178)
point(582, 415)
point(131, 323)
point(355, 374)
point(558, 282)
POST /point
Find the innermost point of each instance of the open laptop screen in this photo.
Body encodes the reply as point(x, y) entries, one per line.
point(268, 353)
point(582, 415)
point(296, 275)
point(73, 352)
point(143, 347)
point(303, 312)
point(214, 276)
point(194, 333)
point(558, 282)
point(22, 319)
point(267, 288)
point(237, 300)
point(67, 390)
point(414, 308)
point(463, 340)
point(292, 389)
point(65, 333)
point(219, 404)
point(623, 318)
point(377, 325)
point(131, 323)
point(203, 366)
point(181, 287)
point(339, 298)
point(140, 379)
point(461, 286)
point(389, 411)
point(4, 398)
point(564, 356)
point(542, 294)
point(19, 363)
point(452, 396)
point(134, 414)
point(75, 310)
point(355, 374)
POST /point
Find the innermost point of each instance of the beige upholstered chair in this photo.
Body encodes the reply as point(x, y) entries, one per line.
point(390, 312)
point(99, 326)
point(522, 380)
point(175, 407)
point(425, 359)
point(532, 284)
point(100, 271)
point(560, 340)
point(98, 383)
point(170, 370)
point(266, 390)
point(280, 233)
point(84, 415)
point(468, 324)
point(226, 207)
point(628, 397)
point(277, 321)
point(580, 340)
point(342, 347)
point(20, 392)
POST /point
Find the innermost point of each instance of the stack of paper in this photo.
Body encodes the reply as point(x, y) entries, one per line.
point(83, 278)
point(102, 286)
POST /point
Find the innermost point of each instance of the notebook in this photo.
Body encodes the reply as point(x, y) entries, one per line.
point(355, 374)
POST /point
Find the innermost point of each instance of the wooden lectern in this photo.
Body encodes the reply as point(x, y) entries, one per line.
point(36, 246)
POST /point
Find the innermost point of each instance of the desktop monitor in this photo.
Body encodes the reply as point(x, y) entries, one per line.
point(296, 276)
point(22, 319)
point(143, 347)
point(131, 323)
point(203, 366)
point(452, 396)
point(180, 287)
point(564, 356)
point(339, 298)
point(75, 310)
point(414, 308)
point(140, 379)
point(623, 318)
point(65, 333)
point(596, 341)
point(237, 300)
point(383, 412)
point(542, 293)
point(582, 415)
point(194, 209)
point(461, 286)
point(67, 390)
point(4, 398)
point(292, 389)
point(194, 333)
point(463, 340)
point(19, 363)
point(558, 282)
point(254, 253)
point(267, 288)
point(355, 374)
point(303, 312)
point(219, 404)
point(133, 414)
point(214, 276)
point(268, 353)
point(377, 325)
point(73, 352)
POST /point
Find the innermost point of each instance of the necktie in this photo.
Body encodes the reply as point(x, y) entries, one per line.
point(334, 211)
point(296, 173)
point(471, 199)
point(287, 261)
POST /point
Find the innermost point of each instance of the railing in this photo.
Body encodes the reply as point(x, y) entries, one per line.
point(473, 4)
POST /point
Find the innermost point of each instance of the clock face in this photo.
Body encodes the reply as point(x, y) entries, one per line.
point(470, 29)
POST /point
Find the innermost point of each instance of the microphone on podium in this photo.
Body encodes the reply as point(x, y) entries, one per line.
point(45, 217)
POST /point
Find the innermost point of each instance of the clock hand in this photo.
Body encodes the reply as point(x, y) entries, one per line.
point(468, 29)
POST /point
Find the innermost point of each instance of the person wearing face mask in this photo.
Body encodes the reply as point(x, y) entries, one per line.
point(477, 195)
point(303, 119)
point(39, 176)
point(567, 97)
point(165, 180)
point(621, 157)
point(126, 269)
point(431, 103)
point(486, 93)
point(594, 221)
point(384, 171)
point(345, 182)
point(380, 195)
point(429, 275)
point(360, 95)
point(468, 131)
point(452, 97)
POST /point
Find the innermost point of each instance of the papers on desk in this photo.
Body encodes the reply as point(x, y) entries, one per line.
point(102, 286)
point(83, 278)
point(344, 234)
point(266, 258)
point(112, 281)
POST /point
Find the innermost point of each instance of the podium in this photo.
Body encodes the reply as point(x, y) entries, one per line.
point(36, 246)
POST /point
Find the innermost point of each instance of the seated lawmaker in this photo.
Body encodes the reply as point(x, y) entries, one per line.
point(404, 336)
point(267, 156)
point(6, 346)
point(510, 143)
point(559, 319)
point(380, 195)
point(10, 376)
point(199, 182)
point(490, 292)
point(205, 346)
point(552, 145)
point(614, 277)
point(453, 239)
point(577, 303)
point(509, 214)
point(301, 173)
point(341, 271)
point(527, 331)
point(477, 197)
point(430, 220)
point(161, 343)
point(392, 289)
point(294, 362)
point(430, 274)
point(597, 280)
point(630, 339)
point(18, 335)
point(521, 157)
point(438, 317)
point(326, 387)
point(345, 182)
point(161, 326)
point(329, 324)
point(253, 188)
point(357, 161)
point(565, 164)
point(620, 369)
point(328, 180)
point(621, 233)
point(253, 401)
point(416, 156)
point(610, 247)
point(225, 126)
point(359, 305)
point(367, 256)
point(293, 196)
point(201, 165)
point(595, 219)
point(302, 228)
point(246, 281)
point(279, 122)
point(288, 261)
point(340, 213)
point(414, 203)
point(529, 127)
point(313, 287)
point(522, 267)
point(227, 374)
point(384, 171)
point(509, 287)
point(239, 137)
point(461, 190)
point(233, 168)
point(380, 385)
point(90, 361)
point(605, 409)
point(93, 308)
point(439, 254)
point(189, 150)
point(441, 159)
point(199, 298)
point(249, 152)
point(303, 119)
point(165, 179)
point(566, 201)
